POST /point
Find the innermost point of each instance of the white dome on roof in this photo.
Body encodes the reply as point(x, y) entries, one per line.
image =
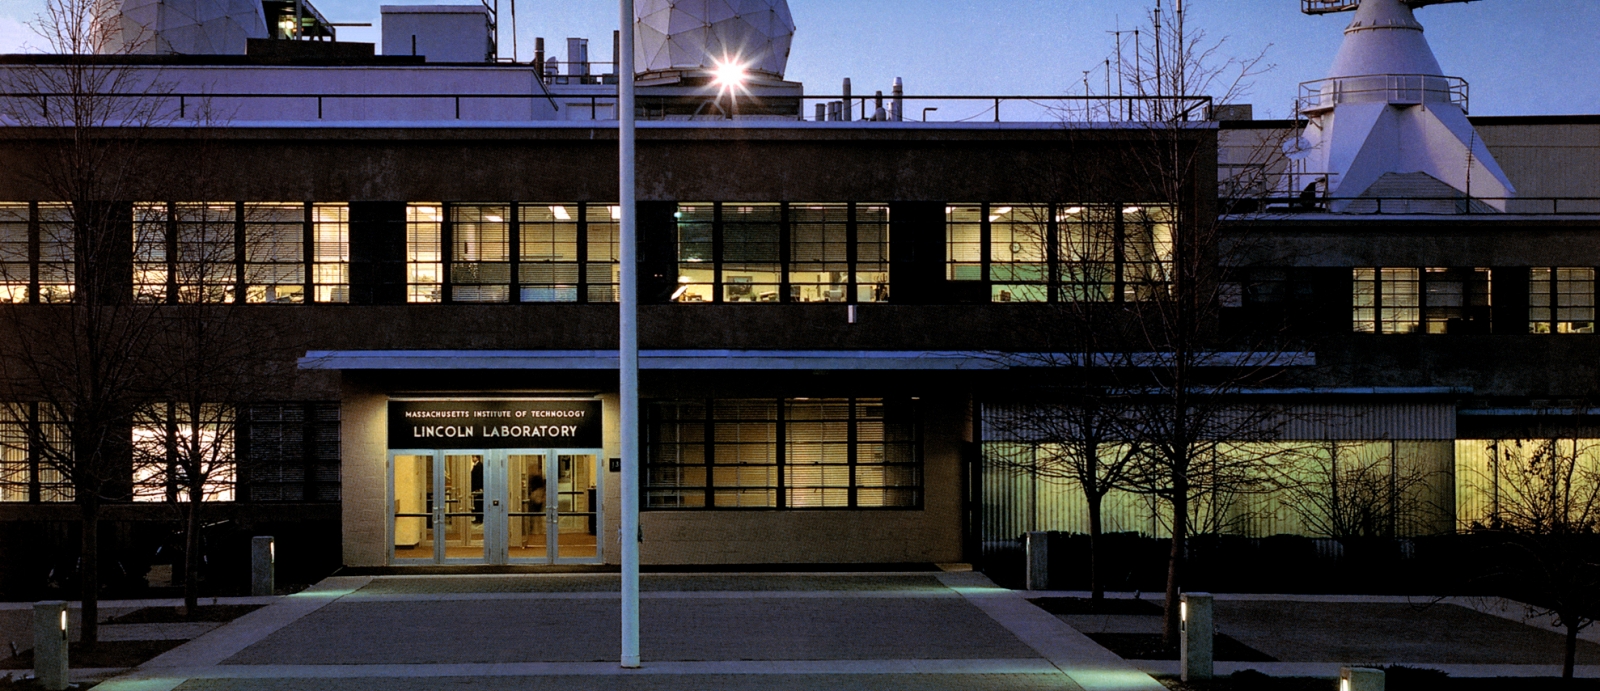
point(189, 27)
point(697, 34)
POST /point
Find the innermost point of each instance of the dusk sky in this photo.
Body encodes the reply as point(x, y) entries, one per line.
point(1521, 57)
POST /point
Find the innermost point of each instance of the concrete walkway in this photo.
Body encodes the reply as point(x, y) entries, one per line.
point(761, 632)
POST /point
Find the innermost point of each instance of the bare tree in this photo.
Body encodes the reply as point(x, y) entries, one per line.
point(1347, 492)
point(1204, 443)
point(1545, 517)
point(1074, 438)
point(83, 112)
point(188, 258)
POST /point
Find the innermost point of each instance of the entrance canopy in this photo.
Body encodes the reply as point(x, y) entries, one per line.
point(860, 360)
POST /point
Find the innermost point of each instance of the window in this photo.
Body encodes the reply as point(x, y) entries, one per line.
point(218, 252)
point(30, 437)
point(424, 253)
point(274, 253)
point(750, 255)
point(16, 252)
point(1430, 300)
point(814, 252)
point(330, 267)
point(202, 252)
point(1456, 301)
point(171, 440)
point(57, 253)
point(602, 267)
point(964, 242)
point(1088, 237)
point(549, 245)
point(1019, 253)
point(1386, 301)
point(150, 253)
point(36, 253)
point(872, 253)
point(1147, 248)
point(697, 269)
point(1561, 300)
point(795, 453)
point(565, 252)
point(819, 252)
point(290, 452)
point(1067, 252)
point(480, 253)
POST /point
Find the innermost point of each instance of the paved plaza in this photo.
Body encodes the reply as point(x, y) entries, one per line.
point(775, 632)
point(760, 631)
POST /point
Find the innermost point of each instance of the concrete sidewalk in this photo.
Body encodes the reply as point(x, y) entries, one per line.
point(762, 632)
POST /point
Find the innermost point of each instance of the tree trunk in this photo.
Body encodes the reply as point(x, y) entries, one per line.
point(191, 556)
point(89, 570)
point(1097, 587)
point(1180, 530)
point(1571, 658)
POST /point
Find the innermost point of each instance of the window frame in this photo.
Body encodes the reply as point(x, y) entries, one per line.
point(712, 440)
point(1072, 268)
point(706, 225)
point(1552, 323)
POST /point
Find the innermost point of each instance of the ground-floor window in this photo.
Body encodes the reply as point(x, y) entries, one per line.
point(179, 447)
point(791, 453)
point(33, 445)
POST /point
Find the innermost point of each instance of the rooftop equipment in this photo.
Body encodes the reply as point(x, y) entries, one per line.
point(443, 33)
point(188, 27)
point(696, 36)
point(1386, 118)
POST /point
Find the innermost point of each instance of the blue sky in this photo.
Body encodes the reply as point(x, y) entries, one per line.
point(1522, 57)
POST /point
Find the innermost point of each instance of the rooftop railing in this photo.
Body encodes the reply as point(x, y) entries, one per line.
point(1417, 206)
point(240, 109)
point(1398, 89)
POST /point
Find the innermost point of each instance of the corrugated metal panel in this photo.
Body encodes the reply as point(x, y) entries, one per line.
point(1310, 422)
point(1423, 421)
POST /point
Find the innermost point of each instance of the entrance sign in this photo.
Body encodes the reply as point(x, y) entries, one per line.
point(503, 424)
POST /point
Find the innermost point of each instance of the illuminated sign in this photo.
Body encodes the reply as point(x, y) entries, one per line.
point(503, 424)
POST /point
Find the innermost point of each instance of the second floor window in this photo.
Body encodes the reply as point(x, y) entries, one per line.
point(1065, 252)
point(1561, 300)
point(796, 252)
point(36, 253)
point(273, 253)
point(563, 252)
point(1386, 301)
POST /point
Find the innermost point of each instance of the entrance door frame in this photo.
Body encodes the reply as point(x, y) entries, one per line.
point(496, 506)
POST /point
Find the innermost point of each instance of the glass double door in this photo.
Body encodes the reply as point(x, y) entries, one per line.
point(518, 506)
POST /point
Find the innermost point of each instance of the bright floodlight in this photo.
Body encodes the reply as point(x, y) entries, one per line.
point(730, 74)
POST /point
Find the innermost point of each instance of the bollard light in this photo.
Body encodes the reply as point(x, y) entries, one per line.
point(50, 647)
point(1196, 636)
point(263, 565)
point(1344, 684)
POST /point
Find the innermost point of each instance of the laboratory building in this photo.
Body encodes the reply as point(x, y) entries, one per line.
point(843, 296)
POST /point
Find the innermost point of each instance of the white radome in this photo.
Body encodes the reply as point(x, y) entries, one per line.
point(189, 27)
point(703, 34)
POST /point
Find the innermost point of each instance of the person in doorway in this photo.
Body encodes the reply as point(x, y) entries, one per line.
point(536, 489)
point(477, 491)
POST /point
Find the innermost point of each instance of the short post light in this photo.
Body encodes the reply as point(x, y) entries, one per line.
point(1360, 679)
point(50, 644)
point(1196, 634)
point(1038, 548)
point(263, 566)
